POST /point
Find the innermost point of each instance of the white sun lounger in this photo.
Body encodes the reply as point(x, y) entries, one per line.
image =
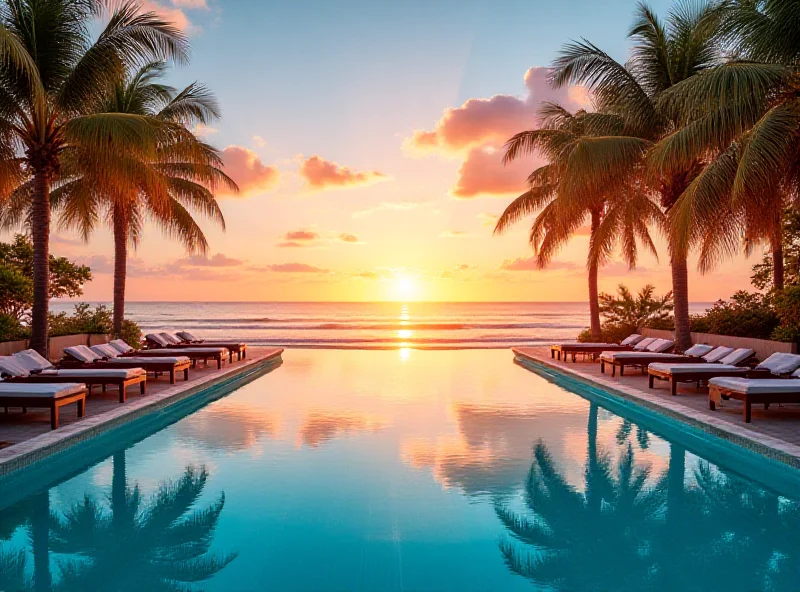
point(678, 371)
point(43, 396)
point(754, 391)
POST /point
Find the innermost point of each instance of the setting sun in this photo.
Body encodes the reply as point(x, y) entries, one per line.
point(405, 288)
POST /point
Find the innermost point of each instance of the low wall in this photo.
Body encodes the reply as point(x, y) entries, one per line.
point(763, 347)
point(57, 344)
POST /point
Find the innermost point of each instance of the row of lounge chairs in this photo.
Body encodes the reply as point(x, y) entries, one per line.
point(28, 380)
point(730, 373)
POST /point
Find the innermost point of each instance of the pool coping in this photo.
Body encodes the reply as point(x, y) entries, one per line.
point(23, 454)
point(768, 446)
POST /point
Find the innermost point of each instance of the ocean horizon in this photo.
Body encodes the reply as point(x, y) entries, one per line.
point(367, 325)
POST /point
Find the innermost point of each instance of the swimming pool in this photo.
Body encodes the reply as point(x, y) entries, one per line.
point(398, 470)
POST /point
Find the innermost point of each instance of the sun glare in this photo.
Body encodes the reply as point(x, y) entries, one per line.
point(405, 288)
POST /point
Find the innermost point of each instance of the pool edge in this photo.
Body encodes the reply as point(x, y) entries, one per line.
point(22, 455)
point(771, 448)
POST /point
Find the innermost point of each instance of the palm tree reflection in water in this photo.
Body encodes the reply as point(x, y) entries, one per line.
point(159, 545)
point(625, 531)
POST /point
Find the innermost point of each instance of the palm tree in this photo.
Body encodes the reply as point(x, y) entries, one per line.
point(620, 213)
point(742, 120)
point(160, 545)
point(181, 178)
point(663, 54)
point(50, 73)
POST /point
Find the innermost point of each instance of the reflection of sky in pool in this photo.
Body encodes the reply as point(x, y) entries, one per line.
point(401, 470)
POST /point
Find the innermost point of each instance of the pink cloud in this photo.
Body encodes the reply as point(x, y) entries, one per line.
point(529, 264)
point(218, 260)
point(494, 120)
point(301, 235)
point(251, 175)
point(320, 174)
point(172, 14)
point(296, 268)
point(482, 173)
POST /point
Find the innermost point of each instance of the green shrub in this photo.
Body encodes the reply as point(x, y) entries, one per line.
point(84, 320)
point(11, 329)
point(131, 333)
point(787, 308)
point(642, 310)
point(744, 315)
point(609, 333)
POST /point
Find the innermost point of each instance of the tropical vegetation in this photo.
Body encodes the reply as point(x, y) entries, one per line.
point(703, 121)
point(88, 133)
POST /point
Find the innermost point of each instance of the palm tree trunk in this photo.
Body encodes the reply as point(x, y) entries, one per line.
point(593, 496)
point(120, 268)
point(594, 300)
point(119, 488)
point(40, 233)
point(40, 541)
point(777, 263)
point(680, 293)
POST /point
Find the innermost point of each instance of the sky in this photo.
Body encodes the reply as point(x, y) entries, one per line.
point(366, 139)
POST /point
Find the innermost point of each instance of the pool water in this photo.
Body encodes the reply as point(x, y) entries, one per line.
point(397, 470)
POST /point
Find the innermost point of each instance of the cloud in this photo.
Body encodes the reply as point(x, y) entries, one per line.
point(319, 428)
point(348, 238)
point(494, 120)
point(173, 14)
point(192, 4)
point(529, 264)
point(258, 141)
point(476, 131)
point(246, 169)
point(218, 260)
point(454, 234)
point(296, 268)
point(320, 174)
point(202, 130)
point(482, 173)
point(368, 275)
point(298, 238)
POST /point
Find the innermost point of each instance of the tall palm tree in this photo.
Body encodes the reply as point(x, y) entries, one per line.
point(51, 71)
point(742, 119)
point(617, 213)
point(163, 544)
point(179, 179)
point(663, 54)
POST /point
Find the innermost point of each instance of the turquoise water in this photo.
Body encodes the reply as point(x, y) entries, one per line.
point(400, 470)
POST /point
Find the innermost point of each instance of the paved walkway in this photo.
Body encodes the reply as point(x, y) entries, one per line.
point(17, 429)
point(778, 428)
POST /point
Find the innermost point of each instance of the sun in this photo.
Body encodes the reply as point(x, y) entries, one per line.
point(404, 288)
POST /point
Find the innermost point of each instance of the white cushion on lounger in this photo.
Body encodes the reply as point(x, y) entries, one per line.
point(100, 372)
point(611, 356)
point(779, 363)
point(150, 360)
point(82, 354)
point(33, 360)
point(757, 385)
point(185, 335)
point(106, 350)
point(660, 345)
point(156, 338)
point(631, 339)
point(693, 368)
point(120, 346)
point(737, 356)
point(716, 354)
point(171, 339)
point(44, 390)
point(698, 350)
point(10, 365)
point(192, 350)
point(642, 345)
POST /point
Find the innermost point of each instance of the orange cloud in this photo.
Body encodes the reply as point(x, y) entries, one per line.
point(296, 268)
point(482, 173)
point(299, 238)
point(348, 238)
point(218, 260)
point(320, 174)
point(251, 175)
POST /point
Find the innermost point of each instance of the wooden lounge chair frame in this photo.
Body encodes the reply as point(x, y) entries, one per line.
point(157, 367)
point(750, 399)
point(90, 381)
point(641, 361)
point(54, 405)
point(240, 349)
point(699, 377)
point(153, 350)
point(574, 350)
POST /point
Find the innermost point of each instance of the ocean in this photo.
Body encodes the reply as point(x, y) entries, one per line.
point(375, 325)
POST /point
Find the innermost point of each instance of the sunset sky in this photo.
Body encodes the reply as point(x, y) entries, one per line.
point(366, 137)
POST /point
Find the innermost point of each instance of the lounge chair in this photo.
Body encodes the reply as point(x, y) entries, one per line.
point(709, 366)
point(218, 354)
point(105, 356)
point(573, 348)
point(754, 391)
point(656, 351)
point(165, 340)
point(18, 370)
point(186, 338)
point(43, 396)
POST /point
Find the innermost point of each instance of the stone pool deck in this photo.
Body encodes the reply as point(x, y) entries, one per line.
point(774, 433)
point(27, 437)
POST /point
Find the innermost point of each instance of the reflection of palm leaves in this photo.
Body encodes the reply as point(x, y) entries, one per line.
point(624, 433)
point(571, 531)
point(12, 572)
point(161, 546)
